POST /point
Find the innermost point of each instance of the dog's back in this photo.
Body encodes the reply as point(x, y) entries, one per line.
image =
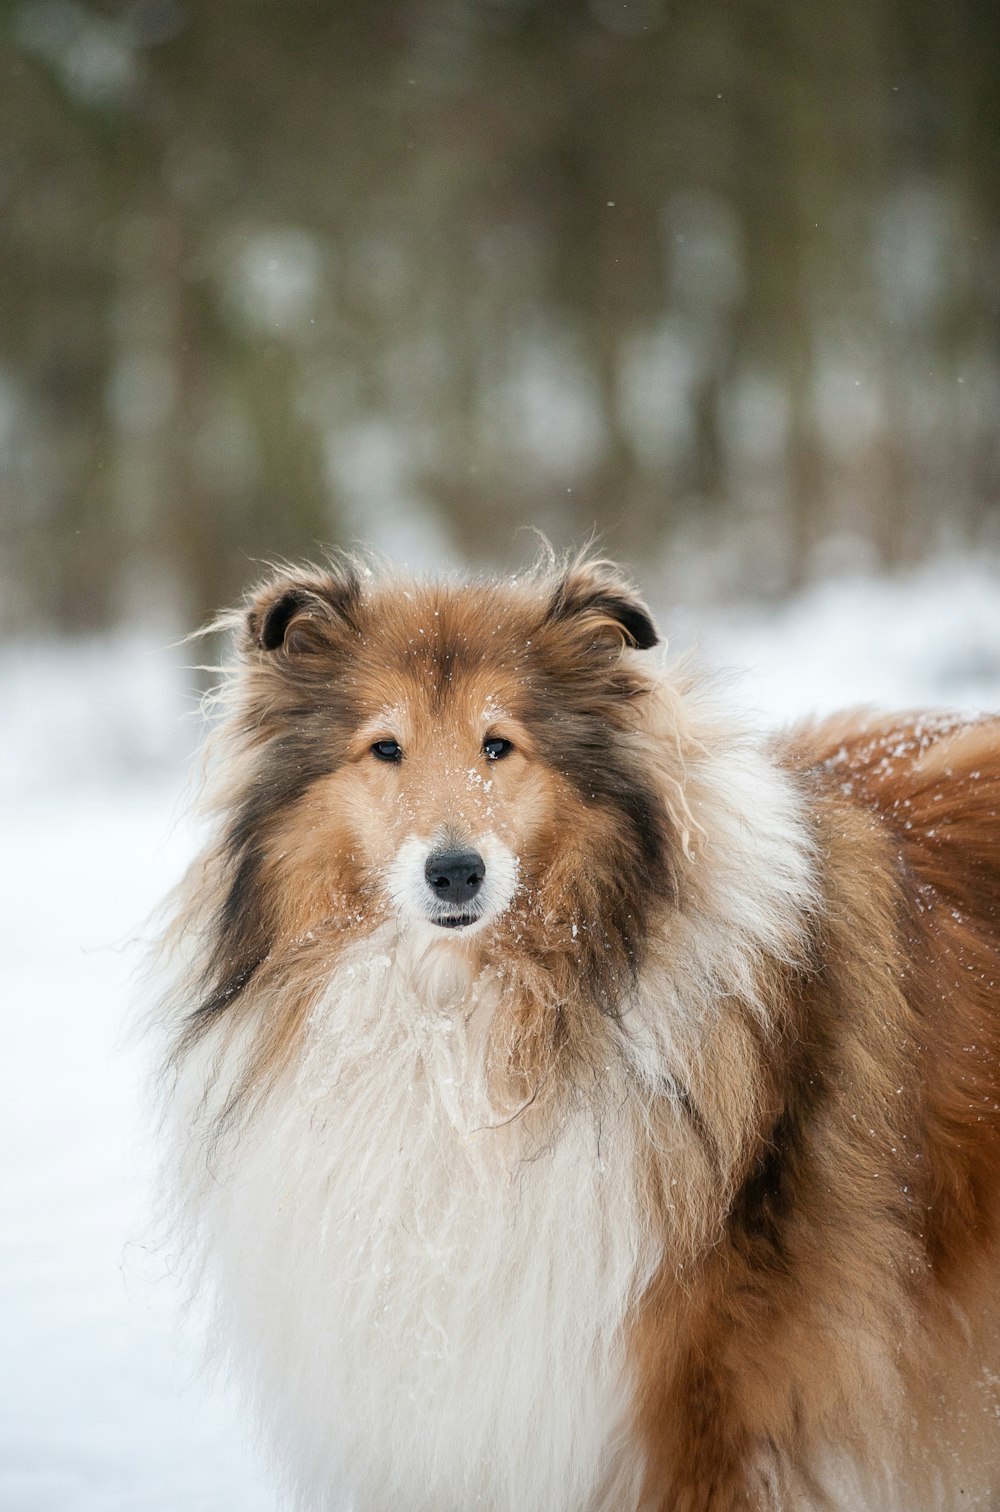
point(934, 784)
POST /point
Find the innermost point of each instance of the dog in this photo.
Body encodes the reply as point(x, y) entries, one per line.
point(579, 1103)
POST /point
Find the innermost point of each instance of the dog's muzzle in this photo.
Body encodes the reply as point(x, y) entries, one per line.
point(452, 886)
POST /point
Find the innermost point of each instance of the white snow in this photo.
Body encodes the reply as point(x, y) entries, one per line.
point(929, 639)
point(101, 1410)
point(101, 1405)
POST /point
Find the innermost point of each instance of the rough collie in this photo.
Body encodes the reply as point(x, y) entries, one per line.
point(579, 1103)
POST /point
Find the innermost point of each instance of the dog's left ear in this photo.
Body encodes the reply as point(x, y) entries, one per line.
point(601, 593)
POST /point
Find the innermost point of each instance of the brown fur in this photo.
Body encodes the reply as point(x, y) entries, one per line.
point(824, 1171)
point(865, 1230)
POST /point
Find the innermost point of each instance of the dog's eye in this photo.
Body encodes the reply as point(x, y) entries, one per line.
point(497, 748)
point(387, 750)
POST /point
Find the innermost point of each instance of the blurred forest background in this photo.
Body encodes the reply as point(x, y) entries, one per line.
point(718, 277)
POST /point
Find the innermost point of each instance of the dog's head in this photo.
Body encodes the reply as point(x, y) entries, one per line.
point(461, 759)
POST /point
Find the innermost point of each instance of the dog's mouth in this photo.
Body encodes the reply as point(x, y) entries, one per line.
point(457, 921)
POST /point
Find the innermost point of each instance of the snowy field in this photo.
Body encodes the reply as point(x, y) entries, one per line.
point(101, 1405)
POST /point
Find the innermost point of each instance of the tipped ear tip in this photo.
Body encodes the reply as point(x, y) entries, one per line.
point(642, 629)
point(284, 610)
point(602, 586)
point(635, 620)
point(268, 614)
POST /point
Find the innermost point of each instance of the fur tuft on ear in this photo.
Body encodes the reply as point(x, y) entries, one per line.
point(599, 590)
point(291, 614)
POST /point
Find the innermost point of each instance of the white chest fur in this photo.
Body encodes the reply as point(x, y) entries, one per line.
point(428, 1308)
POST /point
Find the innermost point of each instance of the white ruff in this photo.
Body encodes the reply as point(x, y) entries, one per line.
point(756, 876)
point(429, 1309)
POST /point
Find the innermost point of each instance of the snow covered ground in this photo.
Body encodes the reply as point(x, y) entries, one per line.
point(101, 1405)
point(101, 1409)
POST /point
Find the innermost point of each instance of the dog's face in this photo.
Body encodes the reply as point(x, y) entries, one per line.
point(439, 802)
point(447, 795)
point(455, 758)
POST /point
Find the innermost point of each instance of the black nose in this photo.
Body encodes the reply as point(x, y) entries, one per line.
point(455, 876)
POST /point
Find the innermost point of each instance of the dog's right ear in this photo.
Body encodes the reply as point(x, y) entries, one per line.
point(296, 615)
